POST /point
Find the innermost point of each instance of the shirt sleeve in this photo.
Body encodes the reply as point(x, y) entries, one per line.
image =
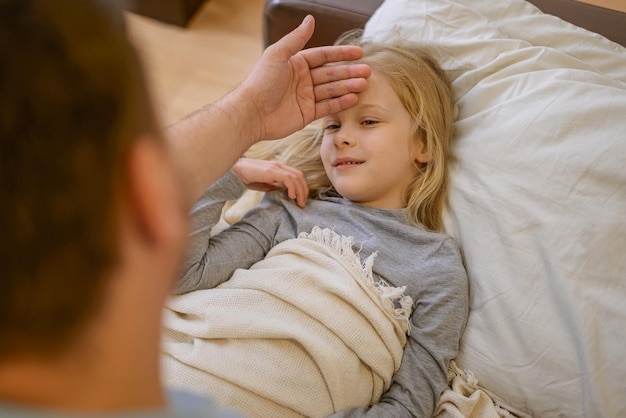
point(211, 259)
point(437, 323)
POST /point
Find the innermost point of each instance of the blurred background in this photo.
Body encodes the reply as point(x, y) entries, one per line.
point(193, 65)
point(211, 46)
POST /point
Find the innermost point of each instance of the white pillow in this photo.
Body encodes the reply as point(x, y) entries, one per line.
point(538, 198)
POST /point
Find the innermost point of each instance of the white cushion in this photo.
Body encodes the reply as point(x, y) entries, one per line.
point(538, 198)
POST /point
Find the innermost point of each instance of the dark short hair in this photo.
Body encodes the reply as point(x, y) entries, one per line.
point(72, 99)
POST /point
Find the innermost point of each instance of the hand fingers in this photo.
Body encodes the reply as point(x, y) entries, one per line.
point(295, 40)
point(335, 87)
point(332, 73)
point(334, 105)
point(339, 88)
point(274, 175)
point(297, 187)
point(316, 57)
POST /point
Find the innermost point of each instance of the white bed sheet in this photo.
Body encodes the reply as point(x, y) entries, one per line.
point(538, 198)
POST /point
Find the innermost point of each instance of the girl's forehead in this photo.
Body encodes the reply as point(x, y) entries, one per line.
point(379, 89)
point(378, 81)
point(379, 97)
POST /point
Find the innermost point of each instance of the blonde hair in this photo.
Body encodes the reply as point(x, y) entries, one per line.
point(425, 91)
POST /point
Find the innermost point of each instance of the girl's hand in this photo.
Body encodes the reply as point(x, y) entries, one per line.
point(265, 175)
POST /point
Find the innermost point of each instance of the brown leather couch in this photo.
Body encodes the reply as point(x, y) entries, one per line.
point(177, 12)
point(333, 17)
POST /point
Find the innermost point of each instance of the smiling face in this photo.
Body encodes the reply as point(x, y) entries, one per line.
point(370, 151)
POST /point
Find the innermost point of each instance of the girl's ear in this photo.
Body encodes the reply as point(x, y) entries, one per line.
point(420, 152)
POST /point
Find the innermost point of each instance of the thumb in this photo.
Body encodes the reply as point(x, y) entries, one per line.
point(295, 40)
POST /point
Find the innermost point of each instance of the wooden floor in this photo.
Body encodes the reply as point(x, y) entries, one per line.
point(190, 67)
point(619, 5)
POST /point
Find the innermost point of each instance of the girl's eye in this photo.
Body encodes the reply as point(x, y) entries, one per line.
point(369, 122)
point(332, 126)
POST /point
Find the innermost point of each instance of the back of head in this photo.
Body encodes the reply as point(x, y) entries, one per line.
point(72, 100)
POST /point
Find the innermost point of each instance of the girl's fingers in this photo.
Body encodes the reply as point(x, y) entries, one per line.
point(296, 185)
point(265, 175)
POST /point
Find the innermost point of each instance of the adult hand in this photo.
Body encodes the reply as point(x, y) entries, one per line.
point(290, 87)
point(287, 89)
point(265, 175)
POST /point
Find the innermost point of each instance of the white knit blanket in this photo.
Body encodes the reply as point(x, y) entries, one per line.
point(304, 332)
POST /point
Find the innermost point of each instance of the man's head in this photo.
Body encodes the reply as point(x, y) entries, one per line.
point(72, 103)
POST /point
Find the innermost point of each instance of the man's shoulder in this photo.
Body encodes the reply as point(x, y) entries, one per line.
point(181, 405)
point(187, 404)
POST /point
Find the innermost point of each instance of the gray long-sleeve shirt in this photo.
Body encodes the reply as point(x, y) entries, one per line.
point(428, 263)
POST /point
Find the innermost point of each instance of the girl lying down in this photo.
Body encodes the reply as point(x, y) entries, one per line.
point(337, 294)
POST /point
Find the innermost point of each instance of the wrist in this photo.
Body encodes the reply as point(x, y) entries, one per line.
point(241, 111)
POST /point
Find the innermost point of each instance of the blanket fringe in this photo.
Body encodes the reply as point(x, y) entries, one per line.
point(465, 398)
point(393, 298)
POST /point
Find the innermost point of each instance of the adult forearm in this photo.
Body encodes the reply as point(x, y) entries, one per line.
point(207, 143)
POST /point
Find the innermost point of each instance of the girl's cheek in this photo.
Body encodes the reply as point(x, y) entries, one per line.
point(325, 145)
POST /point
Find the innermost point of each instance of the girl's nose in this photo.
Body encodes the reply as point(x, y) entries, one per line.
point(343, 139)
